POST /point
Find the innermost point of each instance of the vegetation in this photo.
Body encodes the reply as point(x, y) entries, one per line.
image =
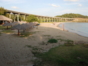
point(7, 15)
point(29, 46)
point(52, 41)
point(85, 45)
point(64, 56)
point(21, 18)
point(69, 43)
point(72, 15)
point(7, 31)
point(12, 17)
point(43, 43)
point(31, 18)
point(25, 34)
point(2, 27)
point(2, 11)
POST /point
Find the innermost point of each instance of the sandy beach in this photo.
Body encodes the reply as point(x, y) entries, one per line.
point(14, 50)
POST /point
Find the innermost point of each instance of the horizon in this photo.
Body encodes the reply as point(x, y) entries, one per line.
point(47, 8)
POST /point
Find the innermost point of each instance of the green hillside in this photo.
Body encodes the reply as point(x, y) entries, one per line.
point(72, 15)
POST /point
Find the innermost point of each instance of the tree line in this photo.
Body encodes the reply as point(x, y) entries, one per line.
point(29, 18)
point(72, 15)
point(2, 11)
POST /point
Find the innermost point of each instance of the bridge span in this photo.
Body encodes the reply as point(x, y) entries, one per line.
point(40, 18)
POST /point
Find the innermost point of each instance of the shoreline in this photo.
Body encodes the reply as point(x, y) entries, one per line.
point(72, 32)
point(65, 31)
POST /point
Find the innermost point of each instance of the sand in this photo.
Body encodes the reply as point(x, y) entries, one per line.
point(14, 50)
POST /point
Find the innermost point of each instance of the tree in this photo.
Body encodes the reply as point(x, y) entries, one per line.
point(21, 18)
point(2, 11)
point(7, 15)
point(72, 15)
point(13, 17)
point(31, 18)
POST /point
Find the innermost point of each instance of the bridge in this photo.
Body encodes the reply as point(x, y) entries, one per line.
point(40, 18)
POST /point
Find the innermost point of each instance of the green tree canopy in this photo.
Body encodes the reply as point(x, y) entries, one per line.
point(31, 18)
point(72, 15)
point(2, 11)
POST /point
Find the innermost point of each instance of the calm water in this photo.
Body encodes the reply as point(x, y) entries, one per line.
point(79, 28)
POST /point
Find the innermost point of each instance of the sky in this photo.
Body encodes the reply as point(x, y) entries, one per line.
point(47, 7)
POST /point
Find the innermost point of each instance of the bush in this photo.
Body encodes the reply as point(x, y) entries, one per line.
point(52, 41)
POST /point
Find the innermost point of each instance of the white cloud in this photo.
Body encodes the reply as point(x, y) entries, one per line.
point(54, 5)
point(14, 7)
point(72, 0)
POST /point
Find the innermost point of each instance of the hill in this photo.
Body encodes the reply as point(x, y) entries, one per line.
point(72, 15)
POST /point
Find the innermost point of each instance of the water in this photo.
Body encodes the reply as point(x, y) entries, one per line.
point(79, 28)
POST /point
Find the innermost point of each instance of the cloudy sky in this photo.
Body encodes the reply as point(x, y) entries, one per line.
point(47, 7)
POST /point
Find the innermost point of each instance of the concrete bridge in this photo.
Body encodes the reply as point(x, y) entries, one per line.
point(40, 18)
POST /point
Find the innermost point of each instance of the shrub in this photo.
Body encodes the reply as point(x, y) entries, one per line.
point(52, 41)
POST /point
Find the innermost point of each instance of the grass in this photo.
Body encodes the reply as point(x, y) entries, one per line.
point(61, 39)
point(43, 43)
point(4, 30)
point(47, 35)
point(85, 45)
point(69, 43)
point(58, 36)
point(7, 31)
point(35, 50)
point(29, 46)
point(2, 27)
point(26, 34)
point(65, 56)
